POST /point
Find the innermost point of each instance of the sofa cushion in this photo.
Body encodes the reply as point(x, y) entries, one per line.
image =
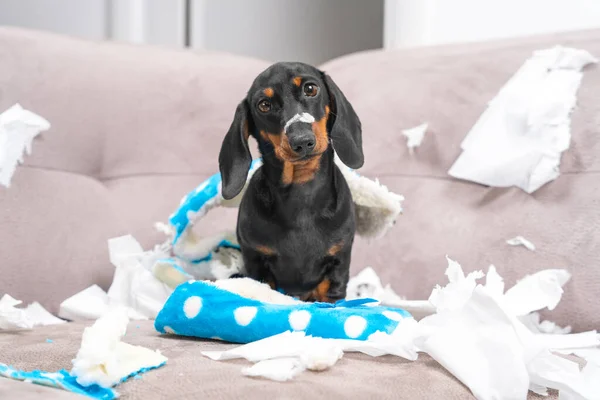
point(134, 128)
point(449, 87)
point(189, 375)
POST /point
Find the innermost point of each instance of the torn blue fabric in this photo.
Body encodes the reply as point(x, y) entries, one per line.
point(200, 200)
point(64, 380)
point(61, 379)
point(200, 309)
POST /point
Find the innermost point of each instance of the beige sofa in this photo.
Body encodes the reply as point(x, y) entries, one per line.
point(135, 128)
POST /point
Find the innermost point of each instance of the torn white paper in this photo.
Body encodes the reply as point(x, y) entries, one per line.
point(104, 360)
point(476, 342)
point(40, 316)
point(134, 286)
point(279, 369)
point(464, 335)
point(12, 317)
point(318, 354)
point(519, 139)
point(18, 128)
point(535, 292)
point(414, 136)
point(90, 303)
point(33, 315)
point(458, 291)
point(521, 241)
point(473, 324)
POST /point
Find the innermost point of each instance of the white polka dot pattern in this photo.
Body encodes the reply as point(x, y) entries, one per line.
point(355, 326)
point(192, 306)
point(244, 315)
point(299, 320)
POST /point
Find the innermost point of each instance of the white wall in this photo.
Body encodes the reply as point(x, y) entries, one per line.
point(156, 22)
point(83, 18)
point(429, 22)
point(312, 31)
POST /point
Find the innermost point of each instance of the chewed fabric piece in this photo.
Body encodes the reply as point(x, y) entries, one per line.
point(200, 309)
point(199, 201)
point(376, 208)
point(61, 380)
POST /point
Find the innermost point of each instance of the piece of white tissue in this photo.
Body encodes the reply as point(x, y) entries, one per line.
point(13, 318)
point(481, 334)
point(278, 369)
point(476, 324)
point(134, 286)
point(414, 136)
point(519, 139)
point(367, 284)
point(521, 241)
point(103, 359)
point(18, 128)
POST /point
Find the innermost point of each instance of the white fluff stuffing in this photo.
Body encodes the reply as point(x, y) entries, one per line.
point(376, 207)
point(255, 290)
point(104, 360)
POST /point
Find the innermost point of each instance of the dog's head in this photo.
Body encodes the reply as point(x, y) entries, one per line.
point(294, 111)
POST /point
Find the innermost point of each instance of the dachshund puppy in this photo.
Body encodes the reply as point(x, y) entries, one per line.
point(296, 220)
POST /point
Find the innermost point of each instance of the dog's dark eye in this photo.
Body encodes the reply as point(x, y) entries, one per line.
point(311, 90)
point(264, 106)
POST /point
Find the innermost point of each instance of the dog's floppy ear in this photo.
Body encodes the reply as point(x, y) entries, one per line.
point(344, 127)
point(235, 157)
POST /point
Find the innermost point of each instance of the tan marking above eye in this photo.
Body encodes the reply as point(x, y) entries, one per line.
point(297, 81)
point(269, 92)
point(336, 248)
point(267, 251)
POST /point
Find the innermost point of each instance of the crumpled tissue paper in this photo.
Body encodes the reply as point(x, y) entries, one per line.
point(519, 139)
point(285, 355)
point(13, 318)
point(521, 241)
point(134, 286)
point(476, 333)
point(18, 128)
point(414, 136)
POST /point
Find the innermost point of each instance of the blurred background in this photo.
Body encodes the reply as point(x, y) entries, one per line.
point(312, 31)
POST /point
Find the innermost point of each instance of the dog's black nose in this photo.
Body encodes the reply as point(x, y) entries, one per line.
point(302, 143)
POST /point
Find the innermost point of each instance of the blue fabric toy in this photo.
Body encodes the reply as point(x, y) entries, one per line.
point(202, 309)
point(61, 379)
point(218, 256)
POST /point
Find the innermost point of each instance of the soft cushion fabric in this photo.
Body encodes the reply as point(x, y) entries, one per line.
point(189, 375)
point(136, 128)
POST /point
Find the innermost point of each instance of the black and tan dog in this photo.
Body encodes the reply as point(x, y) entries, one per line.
point(296, 221)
